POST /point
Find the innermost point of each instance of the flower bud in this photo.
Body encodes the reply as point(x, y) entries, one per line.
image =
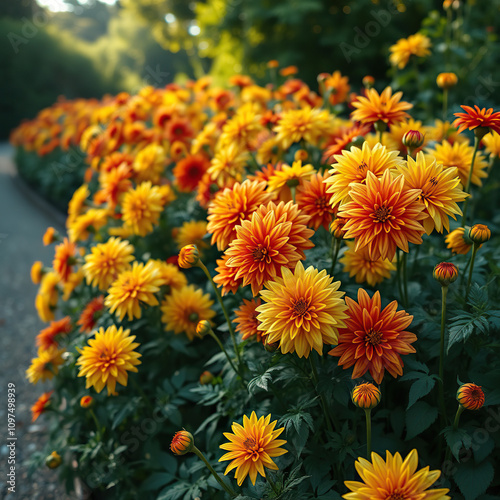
point(446, 80)
point(203, 327)
point(53, 460)
point(368, 81)
point(413, 139)
point(445, 273)
point(206, 377)
point(182, 443)
point(87, 402)
point(337, 228)
point(273, 63)
point(37, 272)
point(50, 236)
point(479, 233)
point(470, 396)
point(366, 396)
point(189, 256)
point(300, 155)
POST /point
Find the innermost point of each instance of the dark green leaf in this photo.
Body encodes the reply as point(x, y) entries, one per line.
point(456, 439)
point(420, 389)
point(420, 417)
point(473, 479)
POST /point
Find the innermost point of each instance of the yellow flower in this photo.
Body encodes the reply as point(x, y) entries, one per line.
point(308, 124)
point(172, 277)
point(77, 202)
point(440, 190)
point(242, 128)
point(141, 208)
point(107, 358)
point(149, 163)
point(353, 166)
point(106, 261)
point(91, 221)
point(394, 479)
point(446, 80)
point(36, 272)
point(45, 365)
point(74, 279)
point(228, 165)
point(132, 288)
point(289, 176)
point(46, 299)
point(184, 308)
point(302, 310)
point(182, 443)
point(359, 265)
point(479, 233)
point(457, 242)
point(252, 447)
point(460, 155)
point(492, 143)
point(192, 232)
point(417, 45)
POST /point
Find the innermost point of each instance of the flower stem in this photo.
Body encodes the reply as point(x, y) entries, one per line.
point(444, 292)
point(467, 186)
point(368, 415)
point(321, 396)
point(445, 104)
point(93, 415)
point(336, 244)
point(219, 343)
point(228, 489)
point(457, 417)
point(219, 298)
point(473, 257)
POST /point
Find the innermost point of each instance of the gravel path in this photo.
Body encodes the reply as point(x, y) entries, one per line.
point(23, 221)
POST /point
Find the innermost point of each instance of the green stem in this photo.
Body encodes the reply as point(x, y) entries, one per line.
point(467, 186)
point(93, 415)
point(271, 483)
point(457, 417)
point(368, 416)
point(475, 246)
point(227, 488)
point(219, 298)
point(219, 343)
point(445, 104)
point(336, 244)
point(321, 396)
point(444, 292)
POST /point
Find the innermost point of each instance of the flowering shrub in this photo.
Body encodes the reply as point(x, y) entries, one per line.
point(253, 259)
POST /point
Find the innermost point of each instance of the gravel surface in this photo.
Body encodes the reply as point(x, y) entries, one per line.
point(23, 221)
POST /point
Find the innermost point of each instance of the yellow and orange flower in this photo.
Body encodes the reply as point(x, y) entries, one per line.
point(374, 338)
point(106, 261)
point(470, 396)
point(232, 206)
point(132, 288)
point(47, 296)
point(459, 155)
point(108, 358)
point(440, 190)
point(252, 447)
point(458, 242)
point(246, 319)
point(87, 401)
point(141, 208)
point(77, 202)
point(189, 256)
point(45, 365)
point(226, 276)
point(40, 405)
point(394, 478)
point(91, 221)
point(88, 317)
point(415, 45)
point(288, 176)
point(36, 272)
point(385, 107)
point(189, 171)
point(446, 80)
point(353, 167)
point(182, 443)
point(383, 216)
point(479, 233)
point(47, 337)
point(64, 259)
point(475, 118)
point(228, 165)
point(366, 396)
point(114, 184)
point(171, 275)
point(343, 141)
point(302, 310)
point(365, 270)
point(337, 87)
point(445, 273)
point(50, 236)
point(149, 163)
point(184, 308)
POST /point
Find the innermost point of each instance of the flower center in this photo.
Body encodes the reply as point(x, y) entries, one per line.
point(381, 214)
point(475, 395)
point(249, 444)
point(362, 166)
point(259, 254)
point(395, 496)
point(433, 181)
point(320, 203)
point(373, 337)
point(107, 359)
point(300, 307)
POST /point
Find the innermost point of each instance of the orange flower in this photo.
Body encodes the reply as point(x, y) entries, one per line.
point(46, 337)
point(457, 242)
point(343, 140)
point(86, 401)
point(88, 317)
point(479, 233)
point(366, 396)
point(445, 273)
point(446, 80)
point(246, 319)
point(470, 396)
point(226, 276)
point(182, 443)
point(384, 107)
point(374, 338)
point(394, 479)
point(50, 236)
point(288, 70)
point(189, 171)
point(474, 118)
point(41, 405)
point(232, 206)
point(64, 259)
point(189, 256)
point(114, 184)
point(383, 216)
point(338, 87)
point(36, 272)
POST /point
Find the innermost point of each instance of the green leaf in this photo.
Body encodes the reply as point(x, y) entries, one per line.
point(419, 418)
point(473, 479)
point(420, 389)
point(482, 449)
point(157, 480)
point(456, 439)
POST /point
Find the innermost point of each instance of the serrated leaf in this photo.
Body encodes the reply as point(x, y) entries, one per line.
point(420, 389)
point(473, 479)
point(482, 449)
point(456, 439)
point(419, 418)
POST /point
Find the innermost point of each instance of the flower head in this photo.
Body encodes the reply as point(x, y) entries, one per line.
point(88, 317)
point(366, 396)
point(458, 242)
point(474, 118)
point(182, 443)
point(87, 401)
point(53, 461)
point(446, 273)
point(302, 310)
point(289, 176)
point(45, 365)
point(46, 337)
point(413, 139)
point(479, 233)
point(108, 358)
point(191, 232)
point(36, 272)
point(41, 404)
point(246, 319)
point(470, 396)
point(189, 171)
point(383, 216)
point(252, 447)
point(189, 256)
point(446, 80)
point(374, 338)
point(394, 479)
point(415, 45)
point(384, 107)
point(50, 236)
point(46, 298)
